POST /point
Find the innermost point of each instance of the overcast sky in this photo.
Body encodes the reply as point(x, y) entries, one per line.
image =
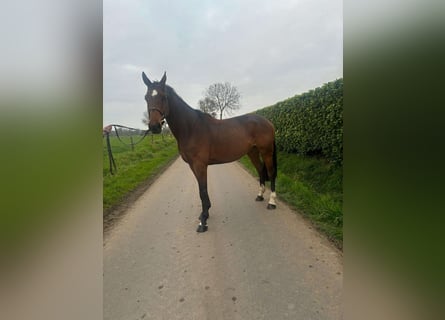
point(270, 50)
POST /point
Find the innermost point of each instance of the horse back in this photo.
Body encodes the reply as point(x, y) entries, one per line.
point(230, 139)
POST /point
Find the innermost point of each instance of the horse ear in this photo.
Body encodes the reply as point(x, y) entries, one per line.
point(164, 79)
point(146, 80)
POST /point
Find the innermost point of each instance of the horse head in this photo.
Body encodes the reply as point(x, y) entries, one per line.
point(157, 103)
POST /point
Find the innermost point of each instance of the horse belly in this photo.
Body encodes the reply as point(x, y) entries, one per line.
point(225, 158)
point(228, 151)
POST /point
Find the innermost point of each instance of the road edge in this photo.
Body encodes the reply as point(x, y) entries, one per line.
point(335, 244)
point(113, 215)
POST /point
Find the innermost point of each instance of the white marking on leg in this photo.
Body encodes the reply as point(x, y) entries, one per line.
point(154, 93)
point(200, 223)
point(272, 198)
point(262, 189)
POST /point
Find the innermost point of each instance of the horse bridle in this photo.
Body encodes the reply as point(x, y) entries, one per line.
point(163, 115)
point(158, 110)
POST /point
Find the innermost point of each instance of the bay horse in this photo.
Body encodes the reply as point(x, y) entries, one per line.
point(203, 140)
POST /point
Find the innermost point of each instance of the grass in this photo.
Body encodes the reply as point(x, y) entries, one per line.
point(313, 187)
point(134, 167)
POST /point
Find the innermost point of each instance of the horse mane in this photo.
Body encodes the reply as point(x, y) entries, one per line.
point(203, 114)
point(172, 93)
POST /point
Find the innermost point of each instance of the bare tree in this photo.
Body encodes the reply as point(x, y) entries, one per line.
point(207, 105)
point(145, 118)
point(225, 97)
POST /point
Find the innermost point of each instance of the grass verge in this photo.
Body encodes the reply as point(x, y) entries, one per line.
point(313, 187)
point(134, 167)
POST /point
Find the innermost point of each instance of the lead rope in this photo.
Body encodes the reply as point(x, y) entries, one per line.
point(110, 152)
point(133, 143)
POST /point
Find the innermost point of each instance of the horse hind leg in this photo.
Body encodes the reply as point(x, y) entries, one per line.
point(254, 157)
point(270, 162)
point(271, 169)
point(272, 204)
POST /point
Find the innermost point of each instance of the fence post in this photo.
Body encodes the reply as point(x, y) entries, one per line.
point(110, 154)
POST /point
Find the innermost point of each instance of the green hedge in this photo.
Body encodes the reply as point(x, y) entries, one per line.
point(310, 123)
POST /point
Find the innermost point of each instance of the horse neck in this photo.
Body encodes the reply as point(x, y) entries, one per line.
point(181, 117)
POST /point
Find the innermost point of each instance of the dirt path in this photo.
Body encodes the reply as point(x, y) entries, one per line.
point(251, 264)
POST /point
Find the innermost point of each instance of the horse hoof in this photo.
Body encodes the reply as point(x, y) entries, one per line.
point(259, 198)
point(202, 228)
point(271, 206)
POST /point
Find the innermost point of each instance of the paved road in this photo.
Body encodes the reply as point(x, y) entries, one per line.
point(251, 264)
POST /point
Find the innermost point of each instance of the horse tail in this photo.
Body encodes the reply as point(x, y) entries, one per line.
point(264, 172)
point(275, 165)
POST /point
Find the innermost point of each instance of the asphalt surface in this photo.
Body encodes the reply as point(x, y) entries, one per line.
point(252, 263)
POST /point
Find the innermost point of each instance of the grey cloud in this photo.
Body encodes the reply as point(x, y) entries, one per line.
point(269, 50)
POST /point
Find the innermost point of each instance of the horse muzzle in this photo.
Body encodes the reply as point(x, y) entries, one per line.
point(155, 128)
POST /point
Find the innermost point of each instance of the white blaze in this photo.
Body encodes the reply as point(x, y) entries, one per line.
point(154, 93)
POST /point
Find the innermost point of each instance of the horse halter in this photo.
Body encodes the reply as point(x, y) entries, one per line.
point(158, 110)
point(163, 115)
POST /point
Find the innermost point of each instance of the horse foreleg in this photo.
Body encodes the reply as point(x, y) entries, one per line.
point(205, 201)
point(200, 172)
